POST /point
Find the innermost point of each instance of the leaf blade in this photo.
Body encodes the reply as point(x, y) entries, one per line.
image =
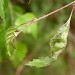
point(57, 44)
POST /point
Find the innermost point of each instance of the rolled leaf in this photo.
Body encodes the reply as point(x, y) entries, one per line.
point(57, 44)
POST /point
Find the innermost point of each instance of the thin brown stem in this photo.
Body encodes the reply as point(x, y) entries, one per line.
point(40, 18)
point(55, 11)
point(72, 10)
point(35, 20)
point(21, 67)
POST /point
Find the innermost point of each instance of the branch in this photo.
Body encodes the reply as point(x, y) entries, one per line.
point(40, 18)
point(20, 68)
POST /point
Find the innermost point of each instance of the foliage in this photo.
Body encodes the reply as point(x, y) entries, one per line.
point(57, 43)
point(19, 44)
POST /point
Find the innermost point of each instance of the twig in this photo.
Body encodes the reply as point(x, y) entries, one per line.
point(40, 18)
point(72, 10)
point(20, 68)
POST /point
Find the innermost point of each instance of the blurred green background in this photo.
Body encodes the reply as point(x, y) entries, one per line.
point(34, 41)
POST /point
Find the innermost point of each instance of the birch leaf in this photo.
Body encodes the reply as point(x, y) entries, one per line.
point(57, 44)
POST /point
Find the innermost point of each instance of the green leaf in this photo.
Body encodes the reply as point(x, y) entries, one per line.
point(57, 44)
point(32, 29)
point(16, 51)
point(19, 54)
point(43, 61)
point(11, 33)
